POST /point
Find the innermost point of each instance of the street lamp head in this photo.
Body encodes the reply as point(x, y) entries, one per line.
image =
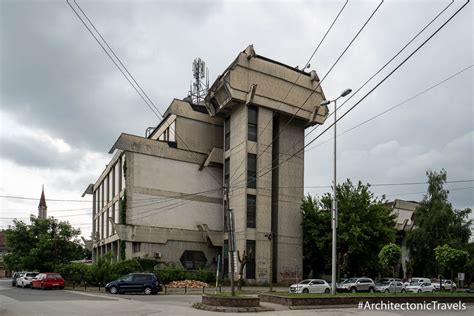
point(325, 102)
point(346, 92)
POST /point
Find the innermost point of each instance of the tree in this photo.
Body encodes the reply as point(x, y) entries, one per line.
point(450, 258)
point(436, 223)
point(43, 245)
point(243, 261)
point(389, 256)
point(365, 225)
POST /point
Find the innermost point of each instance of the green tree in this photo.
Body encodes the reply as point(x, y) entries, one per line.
point(436, 223)
point(365, 225)
point(389, 256)
point(450, 258)
point(43, 245)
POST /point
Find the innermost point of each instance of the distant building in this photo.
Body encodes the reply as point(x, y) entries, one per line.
point(404, 211)
point(161, 196)
point(42, 207)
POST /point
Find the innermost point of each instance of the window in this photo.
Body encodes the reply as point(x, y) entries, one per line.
point(250, 267)
point(251, 210)
point(116, 213)
point(252, 123)
point(136, 247)
point(102, 195)
point(193, 260)
point(227, 173)
point(117, 178)
point(123, 172)
point(227, 134)
point(252, 171)
point(107, 223)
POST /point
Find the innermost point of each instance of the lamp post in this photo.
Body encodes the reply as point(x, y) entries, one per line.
point(334, 201)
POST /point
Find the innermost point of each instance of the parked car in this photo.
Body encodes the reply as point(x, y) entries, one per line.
point(48, 280)
point(147, 283)
point(25, 279)
point(417, 280)
point(392, 286)
point(416, 287)
point(15, 277)
point(358, 285)
point(310, 286)
point(445, 285)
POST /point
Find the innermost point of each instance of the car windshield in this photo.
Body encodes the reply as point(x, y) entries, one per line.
point(54, 275)
point(305, 282)
point(127, 277)
point(382, 282)
point(414, 283)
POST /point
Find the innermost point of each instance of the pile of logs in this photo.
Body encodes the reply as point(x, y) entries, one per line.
point(190, 284)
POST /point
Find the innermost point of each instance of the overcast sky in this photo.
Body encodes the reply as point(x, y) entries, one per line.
point(64, 103)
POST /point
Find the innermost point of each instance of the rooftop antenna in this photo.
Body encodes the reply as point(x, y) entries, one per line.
point(199, 87)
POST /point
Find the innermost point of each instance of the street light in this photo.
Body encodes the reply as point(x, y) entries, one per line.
point(334, 201)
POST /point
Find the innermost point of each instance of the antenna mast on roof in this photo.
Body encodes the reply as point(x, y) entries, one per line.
point(199, 87)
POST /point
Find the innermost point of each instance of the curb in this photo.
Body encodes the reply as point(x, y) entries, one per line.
point(224, 309)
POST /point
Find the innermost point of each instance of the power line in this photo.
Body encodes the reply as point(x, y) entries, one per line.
point(396, 106)
point(389, 61)
point(368, 93)
point(319, 83)
point(296, 80)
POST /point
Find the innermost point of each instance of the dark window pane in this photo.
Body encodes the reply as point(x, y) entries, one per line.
point(227, 134)
point(227, 172)
point(192, 260)
point(250, 267)
point(251, 210)
point(252, 123)
point(252, 171)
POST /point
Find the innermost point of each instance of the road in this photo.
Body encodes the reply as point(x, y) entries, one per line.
point(19, 302)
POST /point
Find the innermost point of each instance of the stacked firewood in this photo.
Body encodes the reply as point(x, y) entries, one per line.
point(190, 284)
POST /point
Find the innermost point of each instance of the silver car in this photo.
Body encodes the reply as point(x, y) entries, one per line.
point(390, 286)
point(310, 286)
point(355, 285)
point(25, 279)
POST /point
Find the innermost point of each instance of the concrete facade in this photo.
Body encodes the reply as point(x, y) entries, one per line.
point(145, 201)
point(266, 107)
point(161, 196)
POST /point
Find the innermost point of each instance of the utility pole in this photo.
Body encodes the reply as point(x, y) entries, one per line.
point(231, 238)
point(270, 277)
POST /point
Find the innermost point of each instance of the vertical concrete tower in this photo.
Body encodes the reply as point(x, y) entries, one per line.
point(266, 106)
point(42, 208)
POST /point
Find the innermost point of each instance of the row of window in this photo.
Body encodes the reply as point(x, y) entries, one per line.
point(110, 186)
point(169, 134)
point(103, 227)
point(252, 119)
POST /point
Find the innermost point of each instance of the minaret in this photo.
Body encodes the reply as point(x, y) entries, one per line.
point(42, 205)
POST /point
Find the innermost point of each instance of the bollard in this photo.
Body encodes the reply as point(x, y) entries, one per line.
point(85, 286)
point(99, 286)
point(220, 288)
point(203, 290)
point(165, 289)
point(185, 289)
point(73, 284)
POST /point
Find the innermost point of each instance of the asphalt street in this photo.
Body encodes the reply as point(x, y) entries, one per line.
point(19, 302)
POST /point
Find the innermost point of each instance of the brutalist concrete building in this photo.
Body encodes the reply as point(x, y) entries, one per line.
point(161, 196)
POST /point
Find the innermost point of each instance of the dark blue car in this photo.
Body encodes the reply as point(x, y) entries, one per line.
point(147, 283)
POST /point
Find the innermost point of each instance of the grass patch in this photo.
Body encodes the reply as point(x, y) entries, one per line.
point(320, 295)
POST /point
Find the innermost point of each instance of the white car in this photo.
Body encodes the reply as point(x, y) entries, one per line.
point(390, 286)
point(25, 279)
point(310, 286)
point(446, 285)
point(420, 287)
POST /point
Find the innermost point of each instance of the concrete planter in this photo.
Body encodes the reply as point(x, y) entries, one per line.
point(228, 301)
point(354, 300)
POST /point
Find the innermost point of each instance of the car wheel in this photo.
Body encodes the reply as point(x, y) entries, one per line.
point(387, 291)
point(442, 288)
point(403, 291)
point(42, 286)
point(113, 290)
point(354, 290)
point(326, 291)
point(419, 291)
point(433, 291)
point(305, 291)
point(371, 290)
point(147, 290)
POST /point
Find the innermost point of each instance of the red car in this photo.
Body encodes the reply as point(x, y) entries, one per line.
point(48, 280)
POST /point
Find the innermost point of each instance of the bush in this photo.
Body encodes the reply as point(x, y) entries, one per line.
point(172, 272)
